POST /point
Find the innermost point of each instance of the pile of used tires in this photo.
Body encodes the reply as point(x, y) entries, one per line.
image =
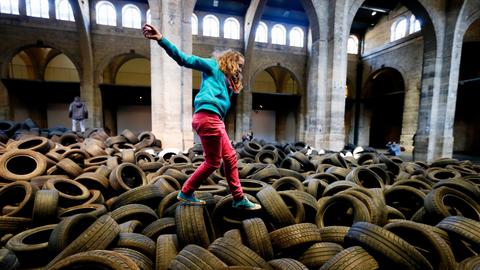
point(100, 202)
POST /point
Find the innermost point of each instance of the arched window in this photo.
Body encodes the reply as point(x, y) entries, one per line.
point(261, 35)
point(106, 14)
point(279, 34)
point(414, 25)
point(64, 10)
point(9, 7)
point(149, 16)
point(194, 24)
point(37, 8)
point(296, 37)
point(211, 26)
point(399, 29)
point(131, 17)
point(352, 45)
point(231, 28)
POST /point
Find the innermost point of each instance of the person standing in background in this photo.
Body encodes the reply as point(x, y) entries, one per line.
point(78, 113)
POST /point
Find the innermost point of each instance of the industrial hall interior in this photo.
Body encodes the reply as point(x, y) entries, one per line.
point(239, 134)
point(328, 73)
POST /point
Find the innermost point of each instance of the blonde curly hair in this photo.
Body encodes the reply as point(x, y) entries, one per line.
point(229, 64)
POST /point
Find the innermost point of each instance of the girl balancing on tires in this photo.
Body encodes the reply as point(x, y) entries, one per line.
point(221, 78)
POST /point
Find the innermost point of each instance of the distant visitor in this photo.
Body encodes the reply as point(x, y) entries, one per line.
point(78, 112)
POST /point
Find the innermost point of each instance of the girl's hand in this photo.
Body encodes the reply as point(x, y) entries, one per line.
point(151, 32)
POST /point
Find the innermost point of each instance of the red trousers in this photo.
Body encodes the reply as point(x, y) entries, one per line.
point(216, 146)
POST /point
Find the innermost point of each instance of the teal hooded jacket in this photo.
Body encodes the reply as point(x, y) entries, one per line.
point(214, 95)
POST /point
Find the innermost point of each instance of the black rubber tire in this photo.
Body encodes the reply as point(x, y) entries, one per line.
point(31, 246)
point(103, 258)
point(328, 214)
point(193, 226)
point(98, 236)
point(136, 241)
point(166, 250)
point(465, 228)
point(132, 226)
point(160, 226)
point(386, 246)
point(276, 208)
point(8, 260)
point(334, 234)
point(407, 200)
point(319, 253)
point(288, 183)
point(472, 263)
point(295, 235)
point(33, 164)
point(438, 207)
point(233, 253)
point(353, 258)
point(257, 237)
point(20, 194)
point(365, 178)
point(434, 248)
point(139, 212)
point(149, 195)
point(193, 257)
point(286, 264)
point(143, 262)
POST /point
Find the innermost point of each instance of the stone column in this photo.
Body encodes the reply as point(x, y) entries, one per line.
point(434, 137)
point(89, 89)
point(171, 84)
point(410, 113)
point(244, 101)
point(315, 134)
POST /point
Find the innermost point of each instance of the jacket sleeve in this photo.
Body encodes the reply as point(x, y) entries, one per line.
point(189, 61)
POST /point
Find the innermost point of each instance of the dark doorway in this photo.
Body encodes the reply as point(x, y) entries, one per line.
point(384, 98)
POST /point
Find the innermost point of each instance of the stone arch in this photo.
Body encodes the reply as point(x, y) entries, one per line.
point(383, 101)
point(17, 48)
point(466, 126)
point(140, 75)
point(284, 66)
point(73, 77)
point(115, 61)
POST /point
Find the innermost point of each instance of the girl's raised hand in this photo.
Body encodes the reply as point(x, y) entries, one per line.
point(151, 32)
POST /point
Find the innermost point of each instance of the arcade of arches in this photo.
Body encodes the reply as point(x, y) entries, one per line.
point(365, 72)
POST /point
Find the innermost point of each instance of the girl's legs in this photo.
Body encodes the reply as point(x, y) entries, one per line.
point(230, 166)
point(212, 149)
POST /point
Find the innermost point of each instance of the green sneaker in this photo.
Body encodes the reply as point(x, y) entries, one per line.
point(244, 203)
point(189, 199)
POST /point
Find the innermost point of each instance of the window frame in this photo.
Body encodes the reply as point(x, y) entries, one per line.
point(59, 15)
point(13, 8)
point(265, 27)
point(394, 34)
point(136, 23)
point(357, 43)
point(413, 25)
point(216, 31)
point(283, 40)
point(292, 41)
point(44, 9)
point(234, 34)
point(194, 19)
point(99, 20)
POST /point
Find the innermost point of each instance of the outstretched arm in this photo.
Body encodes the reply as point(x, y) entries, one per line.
point(190, 61)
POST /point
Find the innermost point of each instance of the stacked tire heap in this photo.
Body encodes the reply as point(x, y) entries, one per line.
point(110, 203)
point(15, 130)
